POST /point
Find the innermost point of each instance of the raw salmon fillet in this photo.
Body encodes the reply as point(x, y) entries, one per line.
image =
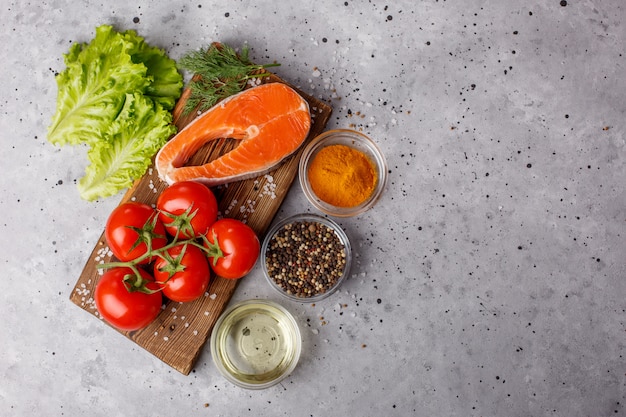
point(271, 121)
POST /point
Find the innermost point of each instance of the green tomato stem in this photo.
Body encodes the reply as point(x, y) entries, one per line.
point(212, 250)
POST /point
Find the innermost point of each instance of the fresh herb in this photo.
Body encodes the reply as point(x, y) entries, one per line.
point(220, 73)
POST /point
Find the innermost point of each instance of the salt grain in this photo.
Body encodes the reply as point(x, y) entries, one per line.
point(231, 206)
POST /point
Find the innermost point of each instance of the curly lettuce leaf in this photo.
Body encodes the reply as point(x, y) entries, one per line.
point(138, 132)
point(167, 82)
point(92, 88)
point(115, 96)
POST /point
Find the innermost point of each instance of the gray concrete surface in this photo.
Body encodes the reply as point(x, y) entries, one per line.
point(490, 279)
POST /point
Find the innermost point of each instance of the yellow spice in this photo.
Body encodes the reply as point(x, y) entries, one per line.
point(342, 176)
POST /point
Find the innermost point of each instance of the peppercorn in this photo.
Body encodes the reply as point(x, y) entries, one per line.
point(305, 258)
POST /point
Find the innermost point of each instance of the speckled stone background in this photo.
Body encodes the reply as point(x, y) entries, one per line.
point(490, 280)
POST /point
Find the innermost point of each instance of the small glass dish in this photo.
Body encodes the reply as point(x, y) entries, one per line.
point(255, 344)
point(352, 139)
point(326, 257)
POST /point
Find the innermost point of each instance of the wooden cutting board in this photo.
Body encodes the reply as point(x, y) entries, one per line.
point(179, 333)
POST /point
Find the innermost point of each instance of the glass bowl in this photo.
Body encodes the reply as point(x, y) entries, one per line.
point(354, 140)
point(256, 344)
point(306, 257)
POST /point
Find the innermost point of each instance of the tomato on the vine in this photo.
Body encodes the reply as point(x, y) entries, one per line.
point(132, 230)
point(125, 303)
point(188, 208)
point(234, 248)
point(182, 272)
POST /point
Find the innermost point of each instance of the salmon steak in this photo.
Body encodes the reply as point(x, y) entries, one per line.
point(269, 121)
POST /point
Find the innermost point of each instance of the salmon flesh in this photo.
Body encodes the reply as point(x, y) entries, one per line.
point(270, 121)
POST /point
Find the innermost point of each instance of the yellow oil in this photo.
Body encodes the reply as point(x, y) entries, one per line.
point(257, 343)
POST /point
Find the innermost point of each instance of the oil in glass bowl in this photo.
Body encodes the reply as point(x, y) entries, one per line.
point(256, 344)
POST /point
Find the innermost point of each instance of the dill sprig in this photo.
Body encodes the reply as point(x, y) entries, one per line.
point(221, 73)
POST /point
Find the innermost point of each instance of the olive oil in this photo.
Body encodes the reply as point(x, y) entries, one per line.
point(256, 344)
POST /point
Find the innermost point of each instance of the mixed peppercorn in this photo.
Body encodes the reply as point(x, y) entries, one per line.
point(305, 258)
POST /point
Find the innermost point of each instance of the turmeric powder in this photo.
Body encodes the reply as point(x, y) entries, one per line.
point(342, 176)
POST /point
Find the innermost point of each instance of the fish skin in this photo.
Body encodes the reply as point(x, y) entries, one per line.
point(270, 121)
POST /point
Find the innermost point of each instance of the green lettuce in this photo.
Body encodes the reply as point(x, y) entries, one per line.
point(112, 88)
point(167, 82)
point(131, 140)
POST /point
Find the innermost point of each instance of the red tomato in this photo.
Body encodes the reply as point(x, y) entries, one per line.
point(188, 207)
point(124, 309)
point(183, 273)
point(130, 228)
point(239, 247)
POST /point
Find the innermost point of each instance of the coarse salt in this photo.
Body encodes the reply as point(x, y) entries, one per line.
point(231, 206)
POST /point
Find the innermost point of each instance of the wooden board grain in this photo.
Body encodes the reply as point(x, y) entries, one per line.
point(181, 330)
